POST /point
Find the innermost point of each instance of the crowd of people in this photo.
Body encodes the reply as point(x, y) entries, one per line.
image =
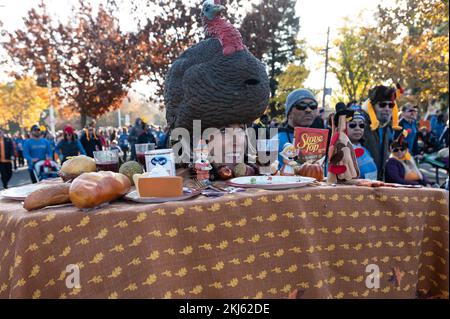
point(393, 143)
point(39, 147)
point(393, 137)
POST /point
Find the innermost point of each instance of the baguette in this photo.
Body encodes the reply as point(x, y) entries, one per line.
point(50, 195)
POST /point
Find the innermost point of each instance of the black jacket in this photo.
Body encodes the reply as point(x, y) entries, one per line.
point(91, 145)
point(9, 148)
point(146, 137)
point(378, 148)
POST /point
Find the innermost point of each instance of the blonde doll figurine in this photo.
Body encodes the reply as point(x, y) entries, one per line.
point(288, 154)
point(202, 165)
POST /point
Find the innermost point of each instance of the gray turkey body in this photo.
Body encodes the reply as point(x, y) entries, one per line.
point(219, 90)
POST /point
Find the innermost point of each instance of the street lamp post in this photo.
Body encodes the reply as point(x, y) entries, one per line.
point(50, 101)
point(326, 68)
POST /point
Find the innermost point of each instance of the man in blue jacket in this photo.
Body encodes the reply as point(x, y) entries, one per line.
point(36, 149)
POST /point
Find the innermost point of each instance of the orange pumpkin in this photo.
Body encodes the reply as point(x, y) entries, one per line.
point(311, 170)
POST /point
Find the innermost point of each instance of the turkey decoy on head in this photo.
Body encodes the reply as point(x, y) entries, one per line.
point(217, 81)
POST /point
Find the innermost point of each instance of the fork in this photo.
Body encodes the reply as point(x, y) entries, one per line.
point(199, 185)
point(202, 185)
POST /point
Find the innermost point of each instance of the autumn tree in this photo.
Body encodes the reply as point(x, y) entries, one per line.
point(350, 63)
point(90, 58)
point(270, 31)
point(411, 45)
point(172, 26)
point(22, 102)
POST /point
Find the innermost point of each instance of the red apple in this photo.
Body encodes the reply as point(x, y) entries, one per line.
point(225, 173)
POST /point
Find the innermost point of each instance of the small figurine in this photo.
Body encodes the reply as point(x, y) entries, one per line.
point(342, 157)
point(202, 165)
point(288, 154)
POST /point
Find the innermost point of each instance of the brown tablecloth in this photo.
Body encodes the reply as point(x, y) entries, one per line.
point(257, 244)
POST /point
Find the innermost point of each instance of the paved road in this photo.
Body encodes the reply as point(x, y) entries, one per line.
point(21, 176)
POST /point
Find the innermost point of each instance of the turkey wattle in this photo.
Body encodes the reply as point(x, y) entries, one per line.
point(217, 81)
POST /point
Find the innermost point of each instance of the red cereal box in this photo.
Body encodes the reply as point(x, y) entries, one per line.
point(311, 144)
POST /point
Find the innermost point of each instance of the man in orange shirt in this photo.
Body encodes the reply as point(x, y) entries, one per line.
point(6, 153)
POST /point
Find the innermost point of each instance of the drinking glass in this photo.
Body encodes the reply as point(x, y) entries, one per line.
point(140, 152)
point(107, 161)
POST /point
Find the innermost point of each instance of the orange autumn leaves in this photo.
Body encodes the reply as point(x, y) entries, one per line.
point(22, 102)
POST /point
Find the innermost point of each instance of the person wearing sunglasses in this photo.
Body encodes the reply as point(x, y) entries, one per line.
point(409, 123)
point(301, 111)
point(380, 122)
point(35, 149)
point(401, 168)
point(355, 132)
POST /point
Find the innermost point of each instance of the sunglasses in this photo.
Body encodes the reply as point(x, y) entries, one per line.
point(301, 106)
point(384, 104)
point(412, 111)
point(354, 125)
point(398, 149)
point(36, 130)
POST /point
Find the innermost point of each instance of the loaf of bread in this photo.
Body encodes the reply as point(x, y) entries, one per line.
point(93, 189)
point(53, 194)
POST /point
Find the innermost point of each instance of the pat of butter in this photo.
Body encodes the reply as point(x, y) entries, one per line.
point(166, 187)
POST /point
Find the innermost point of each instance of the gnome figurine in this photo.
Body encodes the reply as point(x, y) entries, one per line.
point(202, 165)
point(342, 158)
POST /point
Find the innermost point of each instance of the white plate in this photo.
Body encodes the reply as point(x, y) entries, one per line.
point(134, 196)
point(271, 182)
point(21, 192)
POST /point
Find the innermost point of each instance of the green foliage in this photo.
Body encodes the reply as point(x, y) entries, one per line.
point(290, 79)
point(350, 64)
point(270, 32)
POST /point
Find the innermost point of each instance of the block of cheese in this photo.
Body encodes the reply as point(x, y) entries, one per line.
point(166, 187)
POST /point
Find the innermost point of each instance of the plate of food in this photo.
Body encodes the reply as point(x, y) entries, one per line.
point(187, 194)
point(21, 192)
point(271, 182)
